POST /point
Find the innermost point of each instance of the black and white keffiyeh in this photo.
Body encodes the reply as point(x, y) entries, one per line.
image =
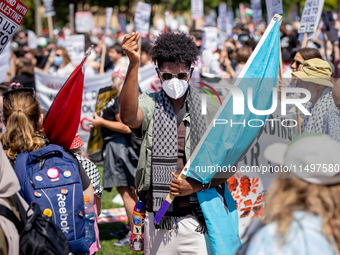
point(93, 174)
point(165, 146)
point(314, 122)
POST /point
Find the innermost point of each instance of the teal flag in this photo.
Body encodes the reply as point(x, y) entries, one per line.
point(223, 145)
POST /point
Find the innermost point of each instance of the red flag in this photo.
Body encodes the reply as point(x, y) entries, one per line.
point(63, 117)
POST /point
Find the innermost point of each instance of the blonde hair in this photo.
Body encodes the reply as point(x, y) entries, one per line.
point(288, 194)
point(21, 113)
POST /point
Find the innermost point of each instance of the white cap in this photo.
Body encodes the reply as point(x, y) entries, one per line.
point(42, 42)
point(307, 152)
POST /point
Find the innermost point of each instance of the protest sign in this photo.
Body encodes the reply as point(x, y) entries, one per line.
point(12, 12)
point(210, 38)
point(329, 26)
point(142, 19)
point(311, 16)
point(108, 19)
point(47, 87)
point(75, 46)
point(273, 7)
point(210, 20)
point(122, 22)
point(257, 11)
point(250, 185)
point(95, 143)
point(5, 63)
point(49, 8)
point(197, 9)
point(230, 21)
point(222, 16)
point(149, 80)
point(222, 23)
point(84, 22)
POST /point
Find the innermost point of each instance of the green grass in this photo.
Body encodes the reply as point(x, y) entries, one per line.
point(106, 241)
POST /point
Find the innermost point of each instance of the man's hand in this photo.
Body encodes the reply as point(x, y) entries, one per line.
point(96, 122)
point(183, 187)
point(131, 48)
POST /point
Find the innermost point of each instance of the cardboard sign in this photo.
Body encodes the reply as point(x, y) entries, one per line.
point(197, 9)
point(108, 19)
point(12, 12)
point(142, 19)
point(273, 7)
point(95, 144)
point(49, 8)
point(311, 16)
point(257, 11)
point(75, 46)
point(84, 22)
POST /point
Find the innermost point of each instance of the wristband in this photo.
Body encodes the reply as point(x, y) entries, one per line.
point(204, 186)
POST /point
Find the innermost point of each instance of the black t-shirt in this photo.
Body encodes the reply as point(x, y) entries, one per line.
point(41, 61)
point(109, 113)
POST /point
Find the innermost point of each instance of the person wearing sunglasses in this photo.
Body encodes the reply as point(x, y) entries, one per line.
point(302, 55)
point(59, 64)
point(171, 125)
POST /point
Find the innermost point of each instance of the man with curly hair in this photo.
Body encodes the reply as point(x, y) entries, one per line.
point(171, 125)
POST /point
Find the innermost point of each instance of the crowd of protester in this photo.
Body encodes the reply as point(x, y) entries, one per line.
point(301, 211)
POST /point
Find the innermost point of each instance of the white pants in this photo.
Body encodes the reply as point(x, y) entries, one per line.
point(184, 240)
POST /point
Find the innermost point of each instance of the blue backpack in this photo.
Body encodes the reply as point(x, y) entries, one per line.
point(50, 177)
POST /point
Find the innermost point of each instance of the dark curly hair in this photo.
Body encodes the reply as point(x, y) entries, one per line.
point(177, 48)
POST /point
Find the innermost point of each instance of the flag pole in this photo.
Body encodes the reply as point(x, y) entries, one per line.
point(304, 41)
point(102, 61)
point(50, 26)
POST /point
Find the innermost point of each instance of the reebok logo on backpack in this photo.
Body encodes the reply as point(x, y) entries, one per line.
point(50, 177)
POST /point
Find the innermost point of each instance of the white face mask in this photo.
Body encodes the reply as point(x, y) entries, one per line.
point(175, 88)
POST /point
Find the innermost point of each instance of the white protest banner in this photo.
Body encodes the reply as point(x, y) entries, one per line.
point(279, 128)
point(210, 38)
point(142, 19)
point(257, 11)
point(49, 8)
point(12, 12)
point(311, 16)
point(75, 46)
point(197, 9)
point(48, 86)
point(254, 173)
point(108, 19)
point(84, 22)
point(273, 7)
